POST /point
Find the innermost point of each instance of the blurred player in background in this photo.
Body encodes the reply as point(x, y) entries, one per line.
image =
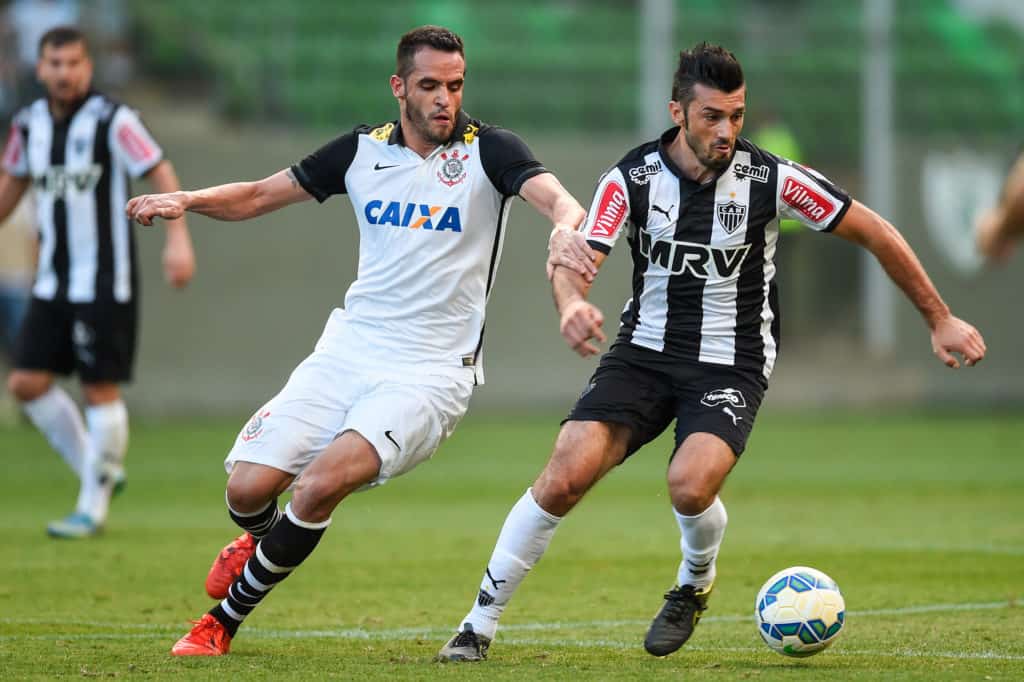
point(393, 372)
point(698, 341)
point(77, 149)
point(999, 228)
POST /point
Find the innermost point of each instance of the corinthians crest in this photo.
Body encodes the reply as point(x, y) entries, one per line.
point(453, 170)
point(731, 215)
point(255, 426)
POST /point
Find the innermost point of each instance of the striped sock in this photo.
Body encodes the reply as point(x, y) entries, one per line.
point(257, 523)
point(278, 554)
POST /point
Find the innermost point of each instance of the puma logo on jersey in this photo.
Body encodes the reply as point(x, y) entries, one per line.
point(413, 216)
point(57, 180)
point(658, 209)
point(699, 260)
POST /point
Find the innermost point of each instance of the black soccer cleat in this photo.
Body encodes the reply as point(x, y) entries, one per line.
point(465, 647)
point(674, 624)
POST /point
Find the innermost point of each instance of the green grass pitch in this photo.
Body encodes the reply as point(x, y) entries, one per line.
point(920, 519)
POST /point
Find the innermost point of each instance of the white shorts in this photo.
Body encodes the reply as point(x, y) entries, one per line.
point(404, 417)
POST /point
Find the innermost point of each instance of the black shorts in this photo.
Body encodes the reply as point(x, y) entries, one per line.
point(94, 340)
point(643, 390)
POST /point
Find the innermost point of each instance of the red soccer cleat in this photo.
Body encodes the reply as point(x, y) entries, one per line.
point(229, 565)
point(207, 638)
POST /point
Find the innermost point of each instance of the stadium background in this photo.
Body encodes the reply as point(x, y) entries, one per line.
point(871, 461)
point(238, 90)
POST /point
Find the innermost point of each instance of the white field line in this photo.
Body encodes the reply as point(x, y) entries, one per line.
point(158, 631)
point(361, 633)
point(574, 643)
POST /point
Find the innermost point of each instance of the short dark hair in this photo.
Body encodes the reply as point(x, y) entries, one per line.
point(437, 37)
point(59, 36)
point(707, 64)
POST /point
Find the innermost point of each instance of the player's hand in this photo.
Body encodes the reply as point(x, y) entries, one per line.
point(581, 322)
point(992, 242)
point(143, 209)
point(569, 248)
point(179, 260)
point(953, 335)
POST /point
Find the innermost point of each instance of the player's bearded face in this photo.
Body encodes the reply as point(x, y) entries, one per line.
point(432, 94)
point(65, 71)
point(712, 123)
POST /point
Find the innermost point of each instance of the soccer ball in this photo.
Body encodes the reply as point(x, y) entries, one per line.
point(800, 611)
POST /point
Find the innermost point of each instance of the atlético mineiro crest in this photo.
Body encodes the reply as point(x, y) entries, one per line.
point(255, 426)
point(731, 215)
point(453, 170)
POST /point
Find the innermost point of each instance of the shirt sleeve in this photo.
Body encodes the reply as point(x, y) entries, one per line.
point(132, 144)
point(608, 212)
point(322, 173)
point(507, 161)
point(15, 160)
point(809, 197)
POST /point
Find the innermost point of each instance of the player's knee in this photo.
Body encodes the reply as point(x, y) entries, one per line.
point(101, 393)
point(26, 386)
point(690, 497)
point(314, 500)
point(248, 495)
point(558, 491)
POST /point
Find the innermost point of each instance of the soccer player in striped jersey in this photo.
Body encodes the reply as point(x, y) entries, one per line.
point(77, 150)
point(698, 339)
point(392, 373)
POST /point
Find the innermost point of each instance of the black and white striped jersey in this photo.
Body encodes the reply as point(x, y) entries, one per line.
point(703, 255)
point(80, 168)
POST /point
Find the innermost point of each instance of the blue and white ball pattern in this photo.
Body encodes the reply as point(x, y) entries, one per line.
point(800, 611)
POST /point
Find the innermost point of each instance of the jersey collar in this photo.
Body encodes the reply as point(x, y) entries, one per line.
point(76, 106)
point(666, 139)
point(464, 129)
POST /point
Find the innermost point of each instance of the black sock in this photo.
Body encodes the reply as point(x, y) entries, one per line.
point(258, 524)
point(278, 554)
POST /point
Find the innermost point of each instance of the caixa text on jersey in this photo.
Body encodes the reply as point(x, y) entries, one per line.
point(699, 260)
point(414, 216)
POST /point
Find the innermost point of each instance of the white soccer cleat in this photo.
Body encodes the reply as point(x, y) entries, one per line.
point(74, 526)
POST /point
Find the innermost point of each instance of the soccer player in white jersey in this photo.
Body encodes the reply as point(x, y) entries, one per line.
point(698, 340)
point(392, 374)
point(77, 149)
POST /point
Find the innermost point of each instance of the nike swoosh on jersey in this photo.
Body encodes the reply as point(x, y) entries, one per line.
point(377, 166)
point(387, 434)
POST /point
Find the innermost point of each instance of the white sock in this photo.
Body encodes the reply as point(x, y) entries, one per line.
point(701, 538)
point(524, 537)
point(108, 435)
point(55, 414)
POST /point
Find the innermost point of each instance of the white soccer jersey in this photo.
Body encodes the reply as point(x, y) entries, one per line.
point(430, 238)
point(79, 169)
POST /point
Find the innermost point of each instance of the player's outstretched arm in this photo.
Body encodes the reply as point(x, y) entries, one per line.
point(179, 258)
point(580, 320)
point(1001, 226)
point(949, 334)
point(566, 246)
point(235, 201)
point(12, 189)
